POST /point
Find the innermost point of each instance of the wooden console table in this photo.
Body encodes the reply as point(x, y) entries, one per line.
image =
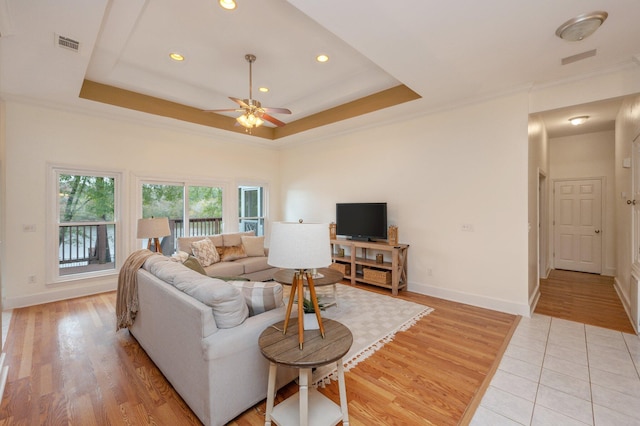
point(308, 406)
point(364, 268)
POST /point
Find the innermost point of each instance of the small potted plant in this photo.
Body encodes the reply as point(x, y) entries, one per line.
point(310, 319)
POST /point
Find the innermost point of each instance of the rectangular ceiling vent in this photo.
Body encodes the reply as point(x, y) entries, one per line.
point(67, 43)
point(578, 57)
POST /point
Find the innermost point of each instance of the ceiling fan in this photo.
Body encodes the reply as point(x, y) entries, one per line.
point(254, 113)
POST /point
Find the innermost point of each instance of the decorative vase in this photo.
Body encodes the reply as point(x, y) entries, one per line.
point(311, 322)
point(332, 231)
point(392, 235)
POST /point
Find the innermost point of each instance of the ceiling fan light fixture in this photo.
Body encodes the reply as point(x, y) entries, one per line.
point(250, 120)
point(227, 4)
point(582, 26)
point(576, 121)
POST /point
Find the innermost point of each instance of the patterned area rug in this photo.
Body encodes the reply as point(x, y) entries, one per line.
point(373, 319)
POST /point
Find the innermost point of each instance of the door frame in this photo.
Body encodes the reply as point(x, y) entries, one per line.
point(603, 218)
point(543, 226)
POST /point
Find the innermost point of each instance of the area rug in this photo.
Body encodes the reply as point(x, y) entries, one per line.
point(373, 319)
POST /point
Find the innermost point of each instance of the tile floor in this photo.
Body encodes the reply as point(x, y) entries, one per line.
point(559, 372)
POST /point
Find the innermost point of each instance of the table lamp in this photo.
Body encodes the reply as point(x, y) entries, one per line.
point(153, 229)
point(301, 247)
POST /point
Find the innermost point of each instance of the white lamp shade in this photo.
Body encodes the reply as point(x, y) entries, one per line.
point(299, 245)
point(155, 227)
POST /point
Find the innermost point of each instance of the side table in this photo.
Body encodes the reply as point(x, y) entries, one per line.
point(329, 277)
point(308, 406)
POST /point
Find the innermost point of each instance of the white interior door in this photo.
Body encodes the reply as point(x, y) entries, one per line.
point(577, 225)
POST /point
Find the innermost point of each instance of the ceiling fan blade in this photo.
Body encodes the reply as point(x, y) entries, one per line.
point(278, 110)
point(272, 120)
point(224, 110)
point(239, 102)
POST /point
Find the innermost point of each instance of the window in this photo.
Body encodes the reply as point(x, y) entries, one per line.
point(251, 209)
point(192, 209)
point(85, 222)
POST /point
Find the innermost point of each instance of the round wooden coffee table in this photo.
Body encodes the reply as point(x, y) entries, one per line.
point(308, 406)
point(329, 277)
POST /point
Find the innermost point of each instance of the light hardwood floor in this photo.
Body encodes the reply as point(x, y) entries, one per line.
point(586, 298)
point(69, 366)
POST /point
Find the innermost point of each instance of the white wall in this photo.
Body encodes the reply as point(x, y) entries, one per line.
point(590, 155)
point(437, 172)
point(36, 136)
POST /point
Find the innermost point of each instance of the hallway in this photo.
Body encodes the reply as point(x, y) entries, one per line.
point(586, 298)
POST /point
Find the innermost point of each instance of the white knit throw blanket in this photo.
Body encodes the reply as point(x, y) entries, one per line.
point(127, 296)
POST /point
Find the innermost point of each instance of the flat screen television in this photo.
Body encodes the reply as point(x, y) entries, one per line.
point(362, 221)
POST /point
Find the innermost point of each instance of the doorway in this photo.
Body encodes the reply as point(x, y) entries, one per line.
point(577, 222)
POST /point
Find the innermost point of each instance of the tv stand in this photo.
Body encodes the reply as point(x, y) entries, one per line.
point(361, 259)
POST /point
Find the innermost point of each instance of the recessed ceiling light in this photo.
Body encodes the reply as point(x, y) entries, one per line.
point(176, 56)
point(576, 121)
point(322, 58)
point(582, 26)
point(227, 4)
point(263, 89)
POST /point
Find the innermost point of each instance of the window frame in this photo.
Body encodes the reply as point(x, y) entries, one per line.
point(52, 272)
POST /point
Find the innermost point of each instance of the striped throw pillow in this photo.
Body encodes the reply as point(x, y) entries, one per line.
point(260, 296)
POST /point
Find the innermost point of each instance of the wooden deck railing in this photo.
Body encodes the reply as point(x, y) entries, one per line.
point(84, 245)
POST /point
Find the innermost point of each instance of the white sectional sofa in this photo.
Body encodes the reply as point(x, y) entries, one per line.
point(251, 265)
point(199, 332)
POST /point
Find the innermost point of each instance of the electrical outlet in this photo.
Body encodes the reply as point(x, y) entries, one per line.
point(466, 227)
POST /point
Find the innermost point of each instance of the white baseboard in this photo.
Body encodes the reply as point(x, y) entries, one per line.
point(534, 299)
point(472, 299)
point(626, 303)
point(4, 373)
point(56, 295)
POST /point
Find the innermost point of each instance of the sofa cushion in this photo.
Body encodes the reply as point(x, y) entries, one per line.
point(225, 269)
point(254, 264)
point(233, 253)
point(194, 264)
point(260, 297)
point(184, 243)
point(205, 251)
point(253, 246)
point(226, 301)
point(168, 271)
point(235, 238)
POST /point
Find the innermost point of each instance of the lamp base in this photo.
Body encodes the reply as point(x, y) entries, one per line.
point(156, 243)
point(297, 286)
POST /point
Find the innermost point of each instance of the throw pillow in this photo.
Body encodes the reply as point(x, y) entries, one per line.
point(233, 253)
point(253, 246)
point(205, 251)
point(260, 296)
point(180, 256)
point(234, 238)
point(193, 263)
